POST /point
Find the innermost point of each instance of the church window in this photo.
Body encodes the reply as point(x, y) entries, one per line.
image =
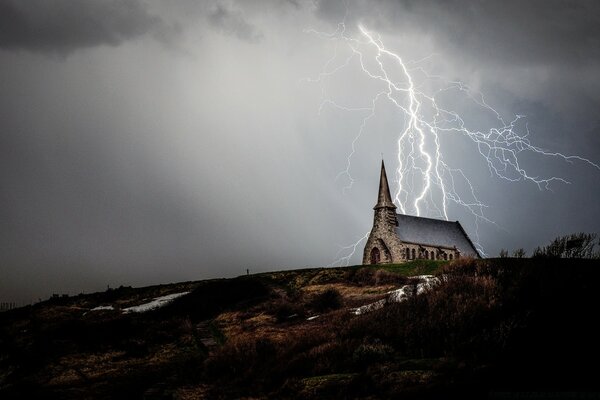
point(413, 254)
point(407, 253)
point(445, 256)
point(451, 256)
point(426, 254)
point(375, 256)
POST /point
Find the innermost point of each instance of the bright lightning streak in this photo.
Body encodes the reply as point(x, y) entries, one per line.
point(426, 183)
point(351, 249)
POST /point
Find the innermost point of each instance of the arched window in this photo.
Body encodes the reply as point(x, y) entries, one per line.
point(407, 253)
point(445, 256)
point(451, 256)
point(375, 257)
point(413, 254)
point(433, 255)
point(426, 254)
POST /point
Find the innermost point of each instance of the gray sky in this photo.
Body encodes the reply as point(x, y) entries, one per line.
point(148, 142)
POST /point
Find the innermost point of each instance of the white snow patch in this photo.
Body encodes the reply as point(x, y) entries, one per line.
point(100, 308)
point(399, 295)
point(157, 302)
point(313, 317)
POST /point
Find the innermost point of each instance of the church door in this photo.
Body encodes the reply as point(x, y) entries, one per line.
point(375, 257)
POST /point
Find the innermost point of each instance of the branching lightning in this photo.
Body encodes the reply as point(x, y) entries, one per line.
point(426, 183)
point(350, 249)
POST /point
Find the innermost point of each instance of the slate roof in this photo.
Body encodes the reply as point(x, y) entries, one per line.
point(435, 232)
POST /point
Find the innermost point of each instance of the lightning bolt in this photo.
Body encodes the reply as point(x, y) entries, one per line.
point(426, 183)
point(350, 250)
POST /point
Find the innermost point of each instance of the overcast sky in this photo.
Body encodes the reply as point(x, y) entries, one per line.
point(146, 142)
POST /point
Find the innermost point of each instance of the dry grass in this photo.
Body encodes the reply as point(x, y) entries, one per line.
point(250, 336)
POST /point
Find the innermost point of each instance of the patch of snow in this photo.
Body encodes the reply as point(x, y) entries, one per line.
point(157, 302)
point(370, 307)
point(399, 295)
point(99, 308)
point(313, 317)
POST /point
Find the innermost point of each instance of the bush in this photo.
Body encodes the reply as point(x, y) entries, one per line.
point(519, 253)
point(369, 353)
point(330, 299)
point(285, 307)
point(575, 245)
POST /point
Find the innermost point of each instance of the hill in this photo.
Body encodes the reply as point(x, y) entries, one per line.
point(481, 328)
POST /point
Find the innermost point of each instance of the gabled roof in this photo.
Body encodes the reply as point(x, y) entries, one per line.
point(435, 232)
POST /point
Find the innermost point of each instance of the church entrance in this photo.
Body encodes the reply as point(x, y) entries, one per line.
point(375, 256)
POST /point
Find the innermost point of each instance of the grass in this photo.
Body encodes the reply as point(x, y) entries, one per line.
point(497, 323)
point(328, 386)
point(319, 381)
point(415, 267)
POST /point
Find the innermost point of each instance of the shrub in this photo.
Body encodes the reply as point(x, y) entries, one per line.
point(369, 353)
point(284, 307)
point(575, 245)
point(330, 299)
point(519, 253)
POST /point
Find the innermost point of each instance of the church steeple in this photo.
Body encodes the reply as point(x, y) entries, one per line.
point(384, 245)
point(384, 199)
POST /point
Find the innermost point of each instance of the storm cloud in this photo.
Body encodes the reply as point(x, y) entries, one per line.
point(507, 32)
point(63, 26)
point(232, 22)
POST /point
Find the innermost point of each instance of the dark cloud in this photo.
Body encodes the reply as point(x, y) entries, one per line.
point(232, 22)
point(516, 32)
point(63, 26)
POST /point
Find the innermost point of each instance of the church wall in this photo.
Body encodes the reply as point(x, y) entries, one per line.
point(384, 231)
point(401, 252)
point(429, 252)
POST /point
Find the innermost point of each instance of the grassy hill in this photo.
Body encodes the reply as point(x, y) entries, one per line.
point(488, 327)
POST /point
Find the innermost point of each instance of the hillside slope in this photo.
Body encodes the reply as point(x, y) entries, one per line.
point(485, 326)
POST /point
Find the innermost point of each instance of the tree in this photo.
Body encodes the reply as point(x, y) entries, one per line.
point(575, 245)
point(503, 253)
point(519, 253)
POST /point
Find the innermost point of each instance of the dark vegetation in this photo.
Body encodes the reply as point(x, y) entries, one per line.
point(489, 326)
point(575, 245)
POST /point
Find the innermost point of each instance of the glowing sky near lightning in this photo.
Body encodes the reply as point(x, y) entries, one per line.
point(170, 141)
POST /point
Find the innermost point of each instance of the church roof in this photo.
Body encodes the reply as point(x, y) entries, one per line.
point(435, 232)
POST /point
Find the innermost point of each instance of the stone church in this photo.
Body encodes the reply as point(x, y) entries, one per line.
point(396, 238)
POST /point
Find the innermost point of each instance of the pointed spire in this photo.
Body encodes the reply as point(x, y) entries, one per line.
point(384, 199)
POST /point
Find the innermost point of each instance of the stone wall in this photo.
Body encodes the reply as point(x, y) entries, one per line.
point(383, 237)
point(422, 251)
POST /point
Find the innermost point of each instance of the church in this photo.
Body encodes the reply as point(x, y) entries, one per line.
point(397, 238)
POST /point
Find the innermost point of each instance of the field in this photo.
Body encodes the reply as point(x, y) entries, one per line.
point(486, 328)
